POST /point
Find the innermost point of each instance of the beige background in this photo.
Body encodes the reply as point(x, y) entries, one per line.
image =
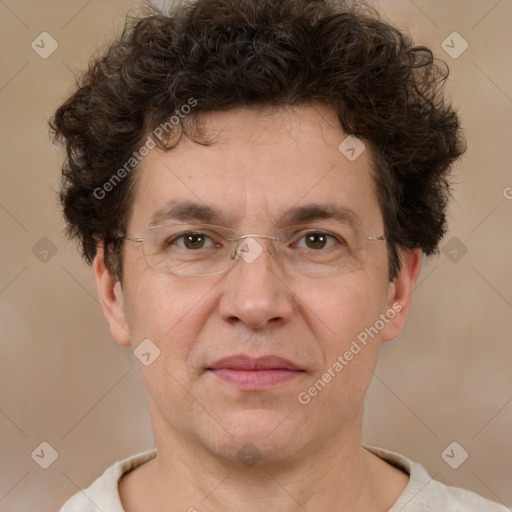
point(63, 379)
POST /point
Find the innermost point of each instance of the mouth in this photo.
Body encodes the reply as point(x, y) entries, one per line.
point(253, 374)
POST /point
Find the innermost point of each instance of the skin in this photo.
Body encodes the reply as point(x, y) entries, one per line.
point(262, 162)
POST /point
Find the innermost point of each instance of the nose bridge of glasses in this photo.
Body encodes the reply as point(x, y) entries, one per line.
point(249, 249)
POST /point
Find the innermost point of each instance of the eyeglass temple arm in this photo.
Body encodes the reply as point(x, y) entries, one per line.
point(129, 239)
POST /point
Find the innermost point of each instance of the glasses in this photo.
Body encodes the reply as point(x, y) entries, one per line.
point(205, 249)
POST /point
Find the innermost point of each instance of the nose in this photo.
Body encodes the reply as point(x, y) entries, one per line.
point(255, 292)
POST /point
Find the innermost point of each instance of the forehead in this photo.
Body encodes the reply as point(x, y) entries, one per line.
point(260, 165)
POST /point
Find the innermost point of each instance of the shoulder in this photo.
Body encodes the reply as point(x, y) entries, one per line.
point(424, 494)
point(103, 493)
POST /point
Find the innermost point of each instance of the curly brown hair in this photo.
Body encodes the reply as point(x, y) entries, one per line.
point(240, 53)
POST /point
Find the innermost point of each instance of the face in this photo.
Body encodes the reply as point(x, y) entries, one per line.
point(260, 165)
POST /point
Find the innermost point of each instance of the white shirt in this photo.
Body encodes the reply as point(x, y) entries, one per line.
point(422, 494)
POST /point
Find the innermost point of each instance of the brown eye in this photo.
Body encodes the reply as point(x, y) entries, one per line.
point(191, 240)
point(317, 240)
point(194, 240)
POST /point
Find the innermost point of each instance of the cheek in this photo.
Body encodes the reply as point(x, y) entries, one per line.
point(165, 310)
point(342, 309)
point(171, 315)
point(341, 318)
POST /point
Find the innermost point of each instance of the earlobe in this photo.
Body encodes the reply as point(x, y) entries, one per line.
point(400, 294)
point(111, 298)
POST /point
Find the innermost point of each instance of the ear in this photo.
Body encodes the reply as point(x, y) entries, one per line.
point(111, 298)
point(400, 294)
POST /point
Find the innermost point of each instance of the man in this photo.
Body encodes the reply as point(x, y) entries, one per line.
point(254, 183)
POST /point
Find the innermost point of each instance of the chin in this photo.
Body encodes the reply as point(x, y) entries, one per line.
point(258, 436)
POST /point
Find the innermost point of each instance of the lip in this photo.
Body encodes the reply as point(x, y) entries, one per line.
point(250, 373)
point(243, 362)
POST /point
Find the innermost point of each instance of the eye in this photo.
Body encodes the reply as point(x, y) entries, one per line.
point(192, 240)
point(318, 240)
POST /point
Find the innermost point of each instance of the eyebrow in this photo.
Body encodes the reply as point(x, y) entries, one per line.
point(183, 211)
point(314, 212)
point(189, 211)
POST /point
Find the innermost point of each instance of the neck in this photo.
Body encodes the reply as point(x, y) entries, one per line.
point(334, 474)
